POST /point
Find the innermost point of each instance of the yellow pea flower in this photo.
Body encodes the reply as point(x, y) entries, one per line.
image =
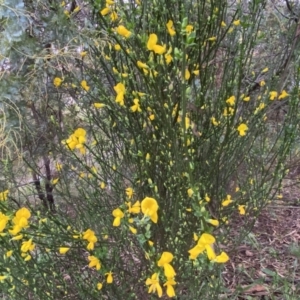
point(213, 222)
point(154, 285)
point(187, 74)
point(189, 28)
point(190, 192)
point(231, 101)
point(63, 250)
point(242, 128)
point(109, 278)
point(242, 210)
point(170, 28)
point(98, 105)
point(273, 95)
point(121, 30)
point(99, 286)
point(118, 214)
point(149, 208)
point(105, 11)
point(222, 258)
point(283, 95)
point(227, 201)
point(57, 81)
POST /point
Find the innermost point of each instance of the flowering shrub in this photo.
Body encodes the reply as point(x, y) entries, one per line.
point(172, 145)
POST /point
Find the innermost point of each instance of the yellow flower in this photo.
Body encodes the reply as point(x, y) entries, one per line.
point(99, 286)
point(135, 208)
point(213, 222)
point(231, 101)
point(129, 192)
point(196, 72)
point(120, 90)
point(152, 117)
point(9, 253)
point(214, 121)
point(27, 257)
point(63, 250)
point(189, 28)
point(118, 214)
point(212, 39)
point(187, 74)
point(262, 83)
point(84, 85)
point(120, 98)
point(222, 258)
point(136, 106)
point(109, 278)
point(227, 201)
point(152, 44)
point(117, 47)
point(210, 252)
point(121, 30)
point(94, 262)
point(27, 246)
point(273, 95)
point(3, 195)
point(170, 290)
point(242, 209)
point(154, 285)
point(168, 58)
point(190, 192)
point(246, 99)
point(242, 128)
point(17, 238)
point(21, 217)
point(149, 208)
point(77, 8)
point(114, 16)
point(142, 65)
point(102, 185)
point(206, 198)
point(195, 251)
point(90, 236)
point(147, 157)
point(260, 107)
point(58, 167)
point(158, 49)
point(170, 28)
point(265, 70)
point(152, 41)
point(132, 229)
point(236, 22)
point(90, 246)
point(195, 237)
point(105, 11)
point(223, 24)
point(283, 95)
point(204, 240)
point(57, 81)
point(109, 2)
point(150, 243)
point(98, 105)
point(165, 258)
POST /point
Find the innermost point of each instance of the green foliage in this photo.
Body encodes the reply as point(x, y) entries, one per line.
point(144, 138)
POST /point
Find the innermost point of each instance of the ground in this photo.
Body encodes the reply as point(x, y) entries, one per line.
point(265, 265)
